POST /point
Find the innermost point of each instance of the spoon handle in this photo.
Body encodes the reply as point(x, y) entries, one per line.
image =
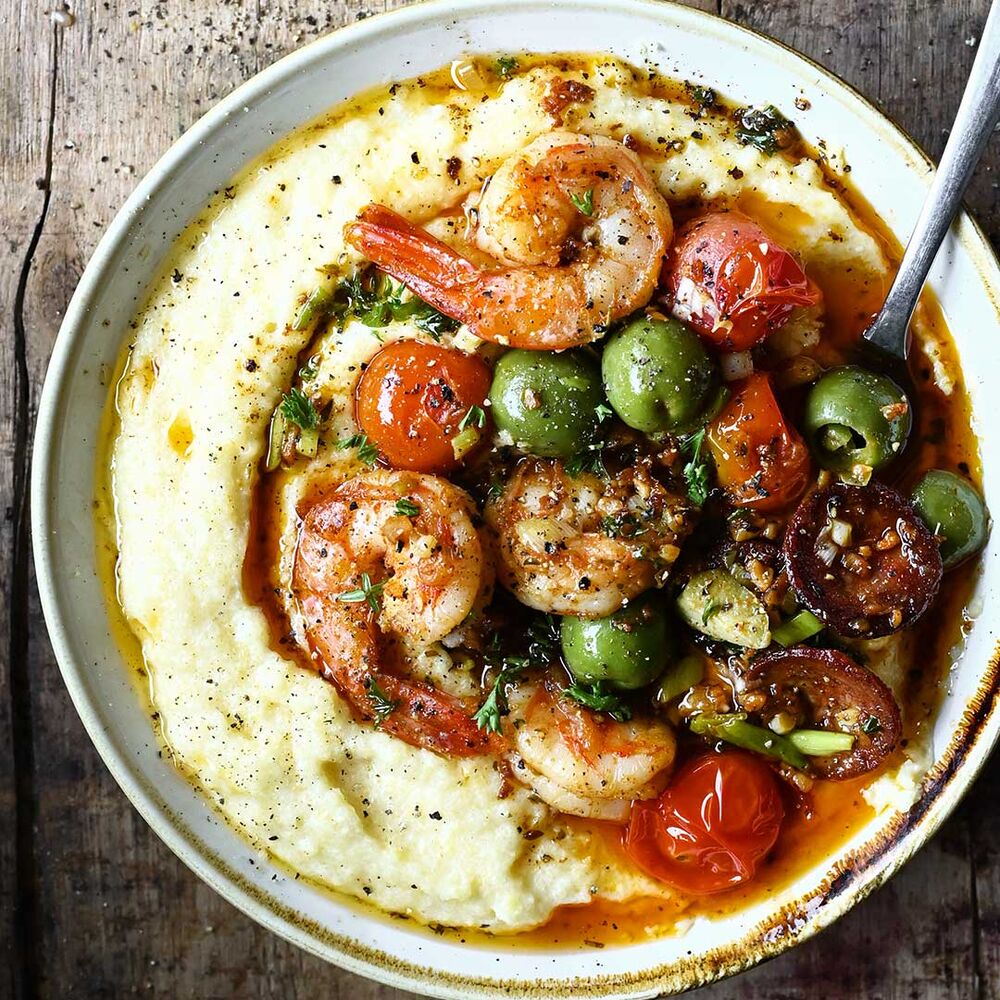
point(977, 115)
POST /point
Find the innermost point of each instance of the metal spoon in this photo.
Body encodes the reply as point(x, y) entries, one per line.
point(976, 119)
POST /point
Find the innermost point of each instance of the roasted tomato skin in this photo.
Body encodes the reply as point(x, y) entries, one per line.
point(880, 581)
point(709, 831)
point(826, 689)
point(411, 399)
point(761, 461)
point(732, 282)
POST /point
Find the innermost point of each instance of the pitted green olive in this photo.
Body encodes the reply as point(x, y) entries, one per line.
point(856, 419)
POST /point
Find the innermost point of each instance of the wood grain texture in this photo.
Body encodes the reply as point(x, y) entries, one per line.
point(102, 908)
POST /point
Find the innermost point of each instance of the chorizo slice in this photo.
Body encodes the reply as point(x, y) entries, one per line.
point(861, 559)
point(826, 689)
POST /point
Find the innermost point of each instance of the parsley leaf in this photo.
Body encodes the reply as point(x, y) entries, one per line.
point(407, 508)
point(871, 725)
point(624, 525)
point(505, 67)
point(495, 706)
point(541, 651)
point(476, 417)
point(589, 460)
point(370, 593)
point(297, 407)
point(603, 412)
point(598, 698)
point(697, 472)
point(584, 203)
point(382, 705)
point(428, 319)
point(367, 452)
point(765, 128)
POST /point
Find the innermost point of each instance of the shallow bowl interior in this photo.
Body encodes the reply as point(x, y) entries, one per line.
point(887, 169)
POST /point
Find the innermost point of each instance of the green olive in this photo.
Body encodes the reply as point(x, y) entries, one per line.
point(954, 511)
point(627, 650)
point(657, 375)
point(547, 403)
point(854, 418)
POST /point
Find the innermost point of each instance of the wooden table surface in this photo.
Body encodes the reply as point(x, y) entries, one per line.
point(91, 903)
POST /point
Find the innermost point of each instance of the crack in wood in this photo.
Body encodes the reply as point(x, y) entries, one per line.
point(26, 958)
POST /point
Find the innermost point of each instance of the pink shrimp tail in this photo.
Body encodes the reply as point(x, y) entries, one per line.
point(428, 267)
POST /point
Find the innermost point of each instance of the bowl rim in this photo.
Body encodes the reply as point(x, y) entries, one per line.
point(956, 769)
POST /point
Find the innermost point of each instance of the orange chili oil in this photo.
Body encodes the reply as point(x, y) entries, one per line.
point(819, 821)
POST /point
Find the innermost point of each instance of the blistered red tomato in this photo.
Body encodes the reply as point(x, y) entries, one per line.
point(709, 831)
point(414, 399)
point(760, 460)
point(732, 282)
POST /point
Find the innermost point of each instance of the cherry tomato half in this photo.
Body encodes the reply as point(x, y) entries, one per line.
point(711, 828)
point(732, 282)
point(761, 461)
point(412, 398)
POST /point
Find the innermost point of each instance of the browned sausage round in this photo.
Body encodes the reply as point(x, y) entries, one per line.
point(861, 559)
point(826, 689)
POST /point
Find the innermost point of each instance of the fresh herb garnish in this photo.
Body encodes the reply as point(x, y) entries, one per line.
point(765, 128)
point(370, 593)
point(367, 452)
point(626, 525)
point(495, 490)
point(297, 408)
point(704, 96)
point(382, 705)
point(407, 508)
point(598, 698)
point(584, 203)
point(697, 471)
point(371, 297)
point(489, 715)
point(505, 67)
point(541, 651)
point(711, 610)
point(428, 319)
point(603, 412)
point(476, 417)
point(871, 725)
point(589, 460)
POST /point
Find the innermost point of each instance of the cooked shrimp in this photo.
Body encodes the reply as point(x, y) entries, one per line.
point(373, 584)
point(582, 763)
point(583, 545)
point(579, 225)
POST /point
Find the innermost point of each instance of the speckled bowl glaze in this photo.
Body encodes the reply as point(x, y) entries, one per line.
point(888, 169)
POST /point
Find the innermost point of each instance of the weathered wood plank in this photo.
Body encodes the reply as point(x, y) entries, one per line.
point(116, 911)
point(26, 67)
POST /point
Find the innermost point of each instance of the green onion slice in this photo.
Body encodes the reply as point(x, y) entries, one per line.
point(796, 629)
point(733, 728)
point(820, 742)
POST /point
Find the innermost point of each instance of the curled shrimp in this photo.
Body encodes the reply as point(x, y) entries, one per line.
point(373, 584)
point(582, 544)
point(582, 763)
point(579, 225)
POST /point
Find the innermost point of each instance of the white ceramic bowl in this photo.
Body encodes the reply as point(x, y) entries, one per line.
point(887, 168)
